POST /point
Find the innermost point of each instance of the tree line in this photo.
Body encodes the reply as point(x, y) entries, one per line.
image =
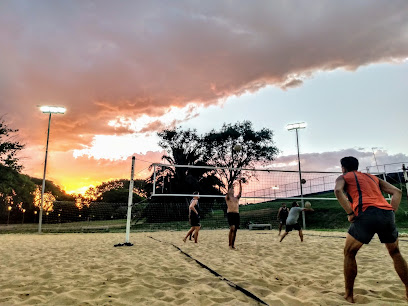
point(217, 148)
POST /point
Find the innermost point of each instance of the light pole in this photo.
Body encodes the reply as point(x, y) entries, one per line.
point(274, 190)
point(8, 216)
point(22, 222)
point(47, 110)
point(296, 127)
point(375, 159)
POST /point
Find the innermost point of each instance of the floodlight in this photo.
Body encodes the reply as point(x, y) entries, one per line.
point(294, 126)
point(53, 109)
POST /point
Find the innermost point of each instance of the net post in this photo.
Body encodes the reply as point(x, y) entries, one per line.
point(130, 200)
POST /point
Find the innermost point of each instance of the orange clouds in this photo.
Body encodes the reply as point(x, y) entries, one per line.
point(142, 57)
point(146, 58)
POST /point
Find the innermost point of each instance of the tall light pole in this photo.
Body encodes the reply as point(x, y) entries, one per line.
point(47, 110)
point(274, 188)
point(375, 159)
point(8, 216)
point(296, 127)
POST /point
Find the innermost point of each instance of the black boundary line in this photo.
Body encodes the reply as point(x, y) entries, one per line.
point(232, 284)
point(326, 236)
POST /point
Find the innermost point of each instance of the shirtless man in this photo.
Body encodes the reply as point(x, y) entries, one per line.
point(194, 218)
point(233, 213)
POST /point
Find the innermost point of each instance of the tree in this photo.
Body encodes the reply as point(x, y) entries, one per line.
point(256, 148)
point(184, 148)
point(16, 190)
point(55, 190)
point(9, 147)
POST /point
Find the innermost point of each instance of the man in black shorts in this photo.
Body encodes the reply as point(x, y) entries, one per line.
point(292, 220)
point(283, 213)
point(233, 213)
point(369, 213)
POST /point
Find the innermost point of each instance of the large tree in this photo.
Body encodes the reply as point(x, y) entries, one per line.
point(16, 189)
point(238, 146)
point(184, 148)
point(9, 147)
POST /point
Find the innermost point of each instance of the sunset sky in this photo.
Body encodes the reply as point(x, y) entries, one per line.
point(127, 69)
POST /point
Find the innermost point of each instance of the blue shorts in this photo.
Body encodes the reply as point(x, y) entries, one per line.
point(374, 220)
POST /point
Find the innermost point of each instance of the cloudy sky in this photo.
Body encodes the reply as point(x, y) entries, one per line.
point(125, 70)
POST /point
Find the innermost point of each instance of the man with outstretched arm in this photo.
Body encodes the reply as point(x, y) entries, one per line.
point(292, 220)
point(360, 194)
point(233, 213)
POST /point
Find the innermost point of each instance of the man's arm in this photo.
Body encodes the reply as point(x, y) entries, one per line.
point(240, 189)
point(307, 209)
point(192, 206)
point(279, 211)
point(395, 193)
point(341, 197)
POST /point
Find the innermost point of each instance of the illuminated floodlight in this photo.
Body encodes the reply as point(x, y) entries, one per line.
point(295, 126)
point(53, 109)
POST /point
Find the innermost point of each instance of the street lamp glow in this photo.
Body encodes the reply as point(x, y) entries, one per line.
point(53, 109)
point(295, 126)
point(9, 208)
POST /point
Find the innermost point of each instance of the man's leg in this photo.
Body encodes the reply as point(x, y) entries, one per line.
point(400, 264)
point(280, 228)
point(301, 235)
point(230, 236)
point(350, 265)
point(283, 236)
point(197, 228)
point(189, 233)
point(234, 235)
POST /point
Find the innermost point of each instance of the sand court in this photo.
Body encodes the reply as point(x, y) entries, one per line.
point(85, 269)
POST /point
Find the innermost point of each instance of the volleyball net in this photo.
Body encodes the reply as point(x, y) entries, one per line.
point(161, 202)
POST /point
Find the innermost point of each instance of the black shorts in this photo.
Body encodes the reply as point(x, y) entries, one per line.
point(282, 221)
point(374, 220)
point(295, 226)
point(194, 219)
point(233, 219)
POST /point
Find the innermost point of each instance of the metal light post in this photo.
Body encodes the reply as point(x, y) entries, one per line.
point(8, 216)
point(47, 110)
point(274, 190)
point(296, 127)
point(375, 159)
point(22, 222)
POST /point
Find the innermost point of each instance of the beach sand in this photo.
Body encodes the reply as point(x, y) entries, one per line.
point(85, 269)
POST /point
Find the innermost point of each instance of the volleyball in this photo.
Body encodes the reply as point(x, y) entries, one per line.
point(237, 148)
point(308, 204)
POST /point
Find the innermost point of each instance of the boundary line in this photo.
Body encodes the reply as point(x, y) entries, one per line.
point(232, 284)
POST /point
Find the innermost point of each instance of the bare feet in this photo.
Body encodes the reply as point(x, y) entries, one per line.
point(349, 299)
point(184, 240)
